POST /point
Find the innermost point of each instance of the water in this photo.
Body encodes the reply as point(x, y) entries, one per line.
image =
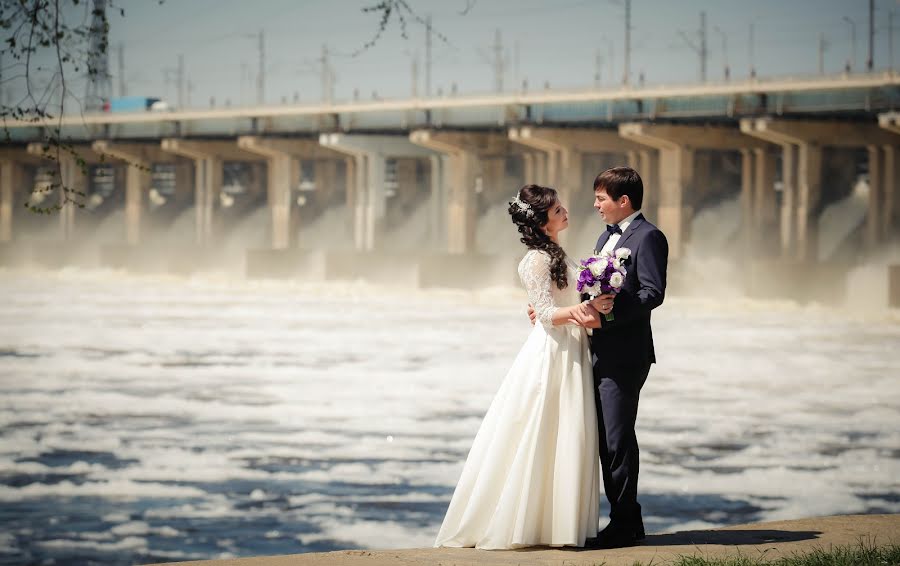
point(148, 419)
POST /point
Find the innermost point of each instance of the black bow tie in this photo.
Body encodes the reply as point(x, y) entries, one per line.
point(613, 229)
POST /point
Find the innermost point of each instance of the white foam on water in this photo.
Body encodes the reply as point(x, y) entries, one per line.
point(350, 407)
point(125, 544)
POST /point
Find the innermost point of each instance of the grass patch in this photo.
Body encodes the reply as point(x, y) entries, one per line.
point(866, 553)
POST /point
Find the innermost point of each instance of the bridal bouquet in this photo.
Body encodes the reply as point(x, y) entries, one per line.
point(603, 274)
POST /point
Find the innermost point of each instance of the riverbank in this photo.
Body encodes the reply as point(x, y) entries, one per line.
point(766, 541)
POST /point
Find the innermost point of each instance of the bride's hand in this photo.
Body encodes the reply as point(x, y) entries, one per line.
point(531, 315)
point(585, 315)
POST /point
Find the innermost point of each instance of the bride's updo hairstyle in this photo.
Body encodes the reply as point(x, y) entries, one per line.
point(529, 214)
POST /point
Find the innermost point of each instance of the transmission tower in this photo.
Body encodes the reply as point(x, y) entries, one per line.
point(99, 85)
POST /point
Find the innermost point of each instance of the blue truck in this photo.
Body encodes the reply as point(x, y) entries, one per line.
point(136, 104)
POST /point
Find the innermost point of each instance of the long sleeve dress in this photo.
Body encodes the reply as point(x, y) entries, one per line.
point(532, 475)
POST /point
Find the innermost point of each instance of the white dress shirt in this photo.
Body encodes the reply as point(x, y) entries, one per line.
point(614, 238)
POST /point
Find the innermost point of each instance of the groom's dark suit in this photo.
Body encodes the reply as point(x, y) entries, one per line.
point(622, 351)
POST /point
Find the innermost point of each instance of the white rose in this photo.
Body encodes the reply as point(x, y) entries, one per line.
point(616, 280)
point(597, 268)
point(617, 263)
point(623, 253)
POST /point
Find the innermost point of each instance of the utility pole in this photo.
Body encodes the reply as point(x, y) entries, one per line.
point(428, 56)
point(852, 60)
point(823, 45)
point(415, 75)
point(870, 62)
point(610, 59)
point(725, 67)
point(891, 40)
point(121, 61)
point(498, 61)
point(181, 81)
point(261, 74)
point(176, 76)
point(750, 46)
point(327, 77)
point(699, 45)
point(703, 50)
point(598, 67)
point(627, 73)
point(516, 75)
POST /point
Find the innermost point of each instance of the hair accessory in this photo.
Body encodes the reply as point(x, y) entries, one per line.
point(523, 206)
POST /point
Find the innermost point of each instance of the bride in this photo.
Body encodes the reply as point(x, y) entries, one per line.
point(532, 475)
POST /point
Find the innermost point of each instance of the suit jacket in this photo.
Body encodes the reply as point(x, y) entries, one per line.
point(624, 345)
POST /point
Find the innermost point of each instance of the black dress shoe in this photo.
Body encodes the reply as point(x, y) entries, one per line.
point(619, 540)
point(617, 536)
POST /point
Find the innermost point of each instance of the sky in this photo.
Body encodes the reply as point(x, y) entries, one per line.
point(543, 42)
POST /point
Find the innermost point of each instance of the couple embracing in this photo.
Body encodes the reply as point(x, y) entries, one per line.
point(565, 413)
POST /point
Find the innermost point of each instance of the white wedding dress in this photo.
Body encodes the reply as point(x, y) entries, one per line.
point(532, 475)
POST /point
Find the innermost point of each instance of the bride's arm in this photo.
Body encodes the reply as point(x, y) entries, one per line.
point(537, 281)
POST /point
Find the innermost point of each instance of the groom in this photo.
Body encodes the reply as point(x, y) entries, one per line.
point(622, 348)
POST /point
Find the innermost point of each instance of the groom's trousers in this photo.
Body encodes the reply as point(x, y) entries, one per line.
point(617, 403)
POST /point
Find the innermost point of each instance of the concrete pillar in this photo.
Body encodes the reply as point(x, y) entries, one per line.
point(138, 168)
point(748, 182)
point(676, 210)
point(764, 202)
point(72, 178)
point(564, 150)
point(438, 208)
point(678, 192)
point(890, 122)
point(11, 176)
point(280, 166)
point(535, 168)
point(809, 192)
point(325, 172)
point(207, 182)
point(801, 142)
point(460, 168)
point(351, 190)
point(889, 210)
point(648, 169)
point(369, 201)
point(633, 160)
point(788, 198)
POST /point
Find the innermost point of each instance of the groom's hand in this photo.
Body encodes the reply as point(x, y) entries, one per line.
point(603, 303)
point(531, 314)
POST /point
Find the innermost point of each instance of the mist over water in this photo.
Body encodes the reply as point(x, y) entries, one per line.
point(160, 418)
point(839, 220)
point(497, 234)
point(328, 231)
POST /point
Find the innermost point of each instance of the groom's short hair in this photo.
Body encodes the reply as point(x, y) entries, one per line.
point(620, 181)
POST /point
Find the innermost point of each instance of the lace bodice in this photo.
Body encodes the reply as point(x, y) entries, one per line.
point(543, 294)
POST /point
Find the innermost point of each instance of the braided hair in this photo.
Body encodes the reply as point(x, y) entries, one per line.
point(529, 214)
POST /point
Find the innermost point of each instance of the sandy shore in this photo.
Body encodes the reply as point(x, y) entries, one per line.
point(766, 540)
